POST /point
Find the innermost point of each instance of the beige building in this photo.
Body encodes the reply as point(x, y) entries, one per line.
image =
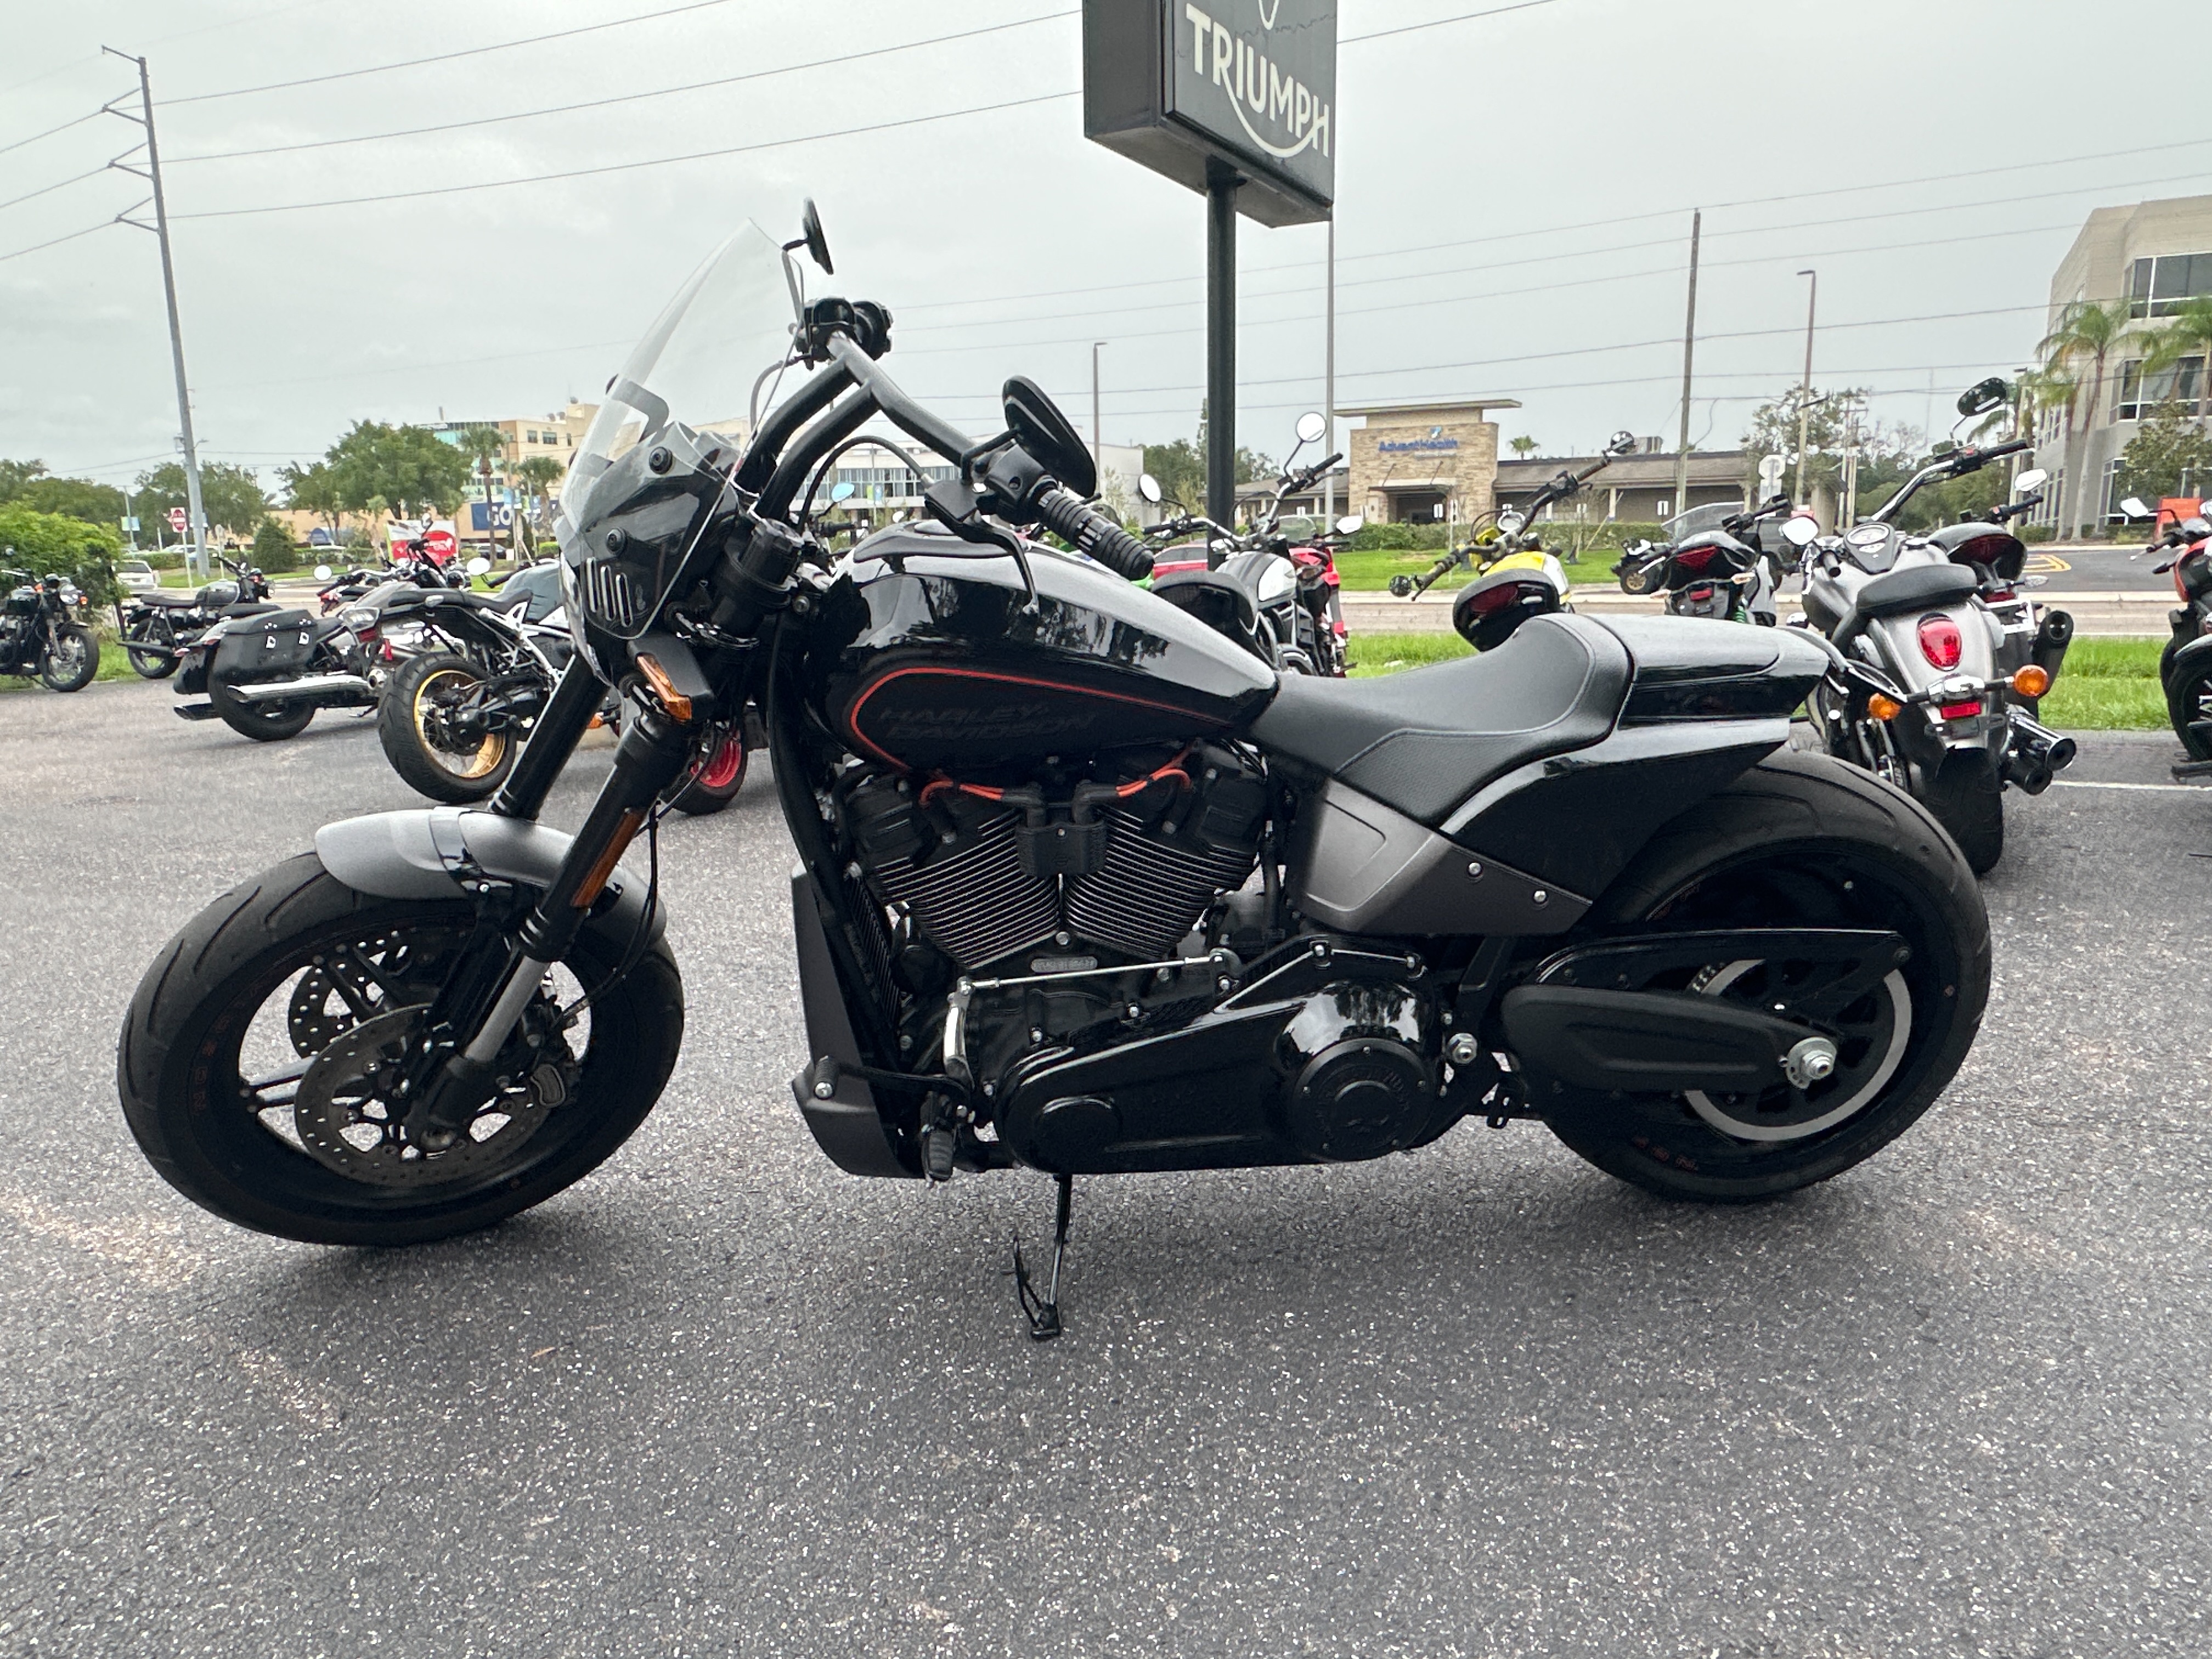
point(1424, 462)
point(2154, 254)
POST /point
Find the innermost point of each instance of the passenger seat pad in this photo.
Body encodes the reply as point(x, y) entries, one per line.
point(1425, 740)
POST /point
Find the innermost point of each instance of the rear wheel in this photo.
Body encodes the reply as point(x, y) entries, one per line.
point(69, 662)
point(157, 662)
point(1800, 841)
point(420, 721)
point(257, 1061)
point(264, 722)
point(2189, 706)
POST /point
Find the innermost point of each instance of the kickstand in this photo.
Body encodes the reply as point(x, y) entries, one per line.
point(1043, 1311)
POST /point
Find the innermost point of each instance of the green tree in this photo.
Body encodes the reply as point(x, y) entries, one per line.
point(313, 489)
point(1180, 467)
point(273, 552)
point(408, 465)
point(484, 445)
point(1835, 420)
point(43, 542)
point(2171, 454)
point(14, 474)
point(1523, 446)
point(75, 498)
point(538, 474)
point(232, 495)
point(2188, 333)
point(2080, 347)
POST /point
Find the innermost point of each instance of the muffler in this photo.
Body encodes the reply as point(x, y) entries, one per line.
point(313, 685)
point(2051, 639)
point(2036, 751)
point(1656, 1042)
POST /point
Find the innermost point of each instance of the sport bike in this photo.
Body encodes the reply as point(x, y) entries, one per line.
point(1084, 887)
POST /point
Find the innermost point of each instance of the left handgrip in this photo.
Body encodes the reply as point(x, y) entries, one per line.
point(1068, 516)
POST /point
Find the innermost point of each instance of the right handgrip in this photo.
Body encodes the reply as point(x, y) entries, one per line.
point(1076, 522)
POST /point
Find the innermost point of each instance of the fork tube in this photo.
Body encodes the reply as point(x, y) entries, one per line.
point(567, 717)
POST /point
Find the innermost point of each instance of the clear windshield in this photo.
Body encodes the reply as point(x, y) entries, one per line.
point(702, 362)
point(1697, 521)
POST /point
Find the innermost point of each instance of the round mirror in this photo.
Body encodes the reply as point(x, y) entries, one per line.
point(2135, 507)
point(840, 491)
point(2030, 481)
point(1350, 524)
point(1620, 443)
point(1402, 586)
point(1310, 426)
point(1800, 532)
point(477, 566)
point(322, 572)
point(1511, 523)
point(1984, 396)
point(1149, 487)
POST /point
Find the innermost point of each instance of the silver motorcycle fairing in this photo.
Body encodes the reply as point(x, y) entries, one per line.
point(435, 853)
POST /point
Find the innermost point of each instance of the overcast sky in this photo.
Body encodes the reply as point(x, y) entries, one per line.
point(1514, 195)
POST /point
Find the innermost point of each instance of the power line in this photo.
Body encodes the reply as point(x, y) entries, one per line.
point(75, 121)
point(58, 240)
point(48, 189)
point(628, 167)
point(627, 97)
point(1438, 22)
point(446, 56)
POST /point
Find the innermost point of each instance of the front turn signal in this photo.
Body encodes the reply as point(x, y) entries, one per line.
point(1882, 707)
point(2032, 681)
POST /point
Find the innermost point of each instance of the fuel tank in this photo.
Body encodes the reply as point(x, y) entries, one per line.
point(929, 658)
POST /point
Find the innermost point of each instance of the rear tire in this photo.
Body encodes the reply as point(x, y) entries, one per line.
point(1800, 840)
point(73, 670)
point(2189, 706)
point(407, 726)
point(153, 664)
point(180, 1063)
point(1973, 813)
point(264, 722)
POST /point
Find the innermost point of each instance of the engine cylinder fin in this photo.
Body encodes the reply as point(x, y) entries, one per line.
point(978, 904)
point(1148, 891)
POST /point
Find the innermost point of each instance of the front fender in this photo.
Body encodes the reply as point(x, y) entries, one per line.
point(429, 853)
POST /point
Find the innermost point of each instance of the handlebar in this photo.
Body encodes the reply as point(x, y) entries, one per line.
point(1087, 529)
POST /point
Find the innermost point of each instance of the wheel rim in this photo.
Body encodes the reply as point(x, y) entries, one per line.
point(1873, 1035)
point(721, 771)
point(435, 701)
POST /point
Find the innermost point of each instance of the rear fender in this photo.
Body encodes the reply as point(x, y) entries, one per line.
point(435, 853)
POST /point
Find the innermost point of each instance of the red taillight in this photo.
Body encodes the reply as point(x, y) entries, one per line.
point(1495, 598)
point(1962, 711)
point(1700, 595)
point(1696, 558)
point(1940, 642)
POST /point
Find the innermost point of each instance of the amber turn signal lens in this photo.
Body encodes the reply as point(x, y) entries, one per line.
point(2032, 681)
point(1884, 707)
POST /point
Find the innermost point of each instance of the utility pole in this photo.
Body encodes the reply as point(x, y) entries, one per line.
point(196, 555)
point(1328, 385)
point(1098, 428)
point(1805, 387)
point(1689, 352)
point(1848, 512)
point(1221, 184)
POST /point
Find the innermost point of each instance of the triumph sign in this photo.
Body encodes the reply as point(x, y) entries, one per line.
point(1183, 85)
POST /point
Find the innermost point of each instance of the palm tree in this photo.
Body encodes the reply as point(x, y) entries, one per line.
point(484, 444)
point(540, 473)
point(1524, 446)
point(2087, 333)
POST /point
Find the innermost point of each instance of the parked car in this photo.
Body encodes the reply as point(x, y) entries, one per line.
point(136, 576)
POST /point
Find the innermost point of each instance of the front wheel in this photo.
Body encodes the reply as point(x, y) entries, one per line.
point(720, 775)
point(70, 659)
point(1801, 841)
point(258, 1058)
point(2189, 706)
point(421, 722)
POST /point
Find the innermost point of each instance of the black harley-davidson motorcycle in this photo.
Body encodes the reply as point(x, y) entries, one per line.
point(1084, 886)
point(157, 627)
point(43, 631)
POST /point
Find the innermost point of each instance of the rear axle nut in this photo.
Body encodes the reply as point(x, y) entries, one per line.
point(1810, 1061)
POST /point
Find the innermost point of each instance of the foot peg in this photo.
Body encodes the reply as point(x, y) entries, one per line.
point(1042, 1312)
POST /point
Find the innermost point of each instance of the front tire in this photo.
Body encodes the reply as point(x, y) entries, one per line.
point(413, 724)
point(1799, 841)
point(71, 660)
point(153, 664)
point(2189, 706)
point(214, 1039)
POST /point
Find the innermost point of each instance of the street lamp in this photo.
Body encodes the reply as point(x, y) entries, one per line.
point(1097, 431)
point(1805, 388)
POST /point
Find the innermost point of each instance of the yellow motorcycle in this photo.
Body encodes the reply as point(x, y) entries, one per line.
point(1513, 578)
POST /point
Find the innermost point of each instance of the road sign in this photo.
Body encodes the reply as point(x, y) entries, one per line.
point(177, 520)
point(1770, 473)
point(1178, 86)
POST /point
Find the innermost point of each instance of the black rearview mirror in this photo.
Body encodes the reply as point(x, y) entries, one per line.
point(1620, 443)
point(1984, 396)
point(817, 245)
point(1048, 435)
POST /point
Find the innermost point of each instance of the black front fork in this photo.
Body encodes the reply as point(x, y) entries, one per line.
point(560, 728)
point(477, 1011)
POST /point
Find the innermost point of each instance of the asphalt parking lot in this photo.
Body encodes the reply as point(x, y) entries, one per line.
point(1481, 1400)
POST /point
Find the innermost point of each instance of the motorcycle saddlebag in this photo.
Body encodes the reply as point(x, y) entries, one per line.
point(264, 647)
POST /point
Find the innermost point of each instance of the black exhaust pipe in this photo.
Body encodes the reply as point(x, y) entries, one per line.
point(2036, 752)
point(2049, 651)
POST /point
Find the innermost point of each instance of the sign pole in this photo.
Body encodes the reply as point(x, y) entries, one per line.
point(1220, 347)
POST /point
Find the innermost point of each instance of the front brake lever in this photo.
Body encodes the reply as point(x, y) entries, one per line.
point(958, 508)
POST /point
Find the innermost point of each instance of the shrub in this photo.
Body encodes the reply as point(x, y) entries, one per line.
point(43, 542)
point(2032, 533)
point(163, 560)
point(1397, 537)
point(273, 550)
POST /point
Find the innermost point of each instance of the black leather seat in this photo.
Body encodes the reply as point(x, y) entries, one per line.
point(1425, 740)
point(1916, 587)
point(162, 601)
